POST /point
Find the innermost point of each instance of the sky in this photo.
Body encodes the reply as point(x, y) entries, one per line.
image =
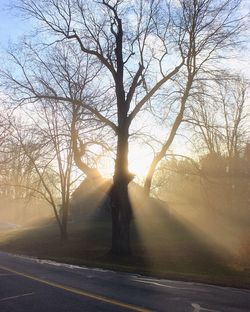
point(13, 27)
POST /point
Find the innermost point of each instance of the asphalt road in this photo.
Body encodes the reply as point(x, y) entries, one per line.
point(31, 285)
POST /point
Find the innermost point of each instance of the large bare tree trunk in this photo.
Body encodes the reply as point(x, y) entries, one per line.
point(121, 217)
point(121, 206)
point(64, 222)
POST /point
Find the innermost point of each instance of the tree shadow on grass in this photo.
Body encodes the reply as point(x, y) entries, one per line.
point(161, 242)
point(170, 243)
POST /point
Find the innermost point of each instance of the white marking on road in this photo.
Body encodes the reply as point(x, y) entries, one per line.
point(15, 297)
point(198, 308)
point(146, 281)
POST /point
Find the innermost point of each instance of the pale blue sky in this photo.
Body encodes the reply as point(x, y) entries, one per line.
point(12, 25)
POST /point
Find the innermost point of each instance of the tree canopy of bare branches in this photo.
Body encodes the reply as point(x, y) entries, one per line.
point(137, 49)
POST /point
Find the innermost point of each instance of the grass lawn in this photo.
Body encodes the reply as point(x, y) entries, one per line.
point(162, 247)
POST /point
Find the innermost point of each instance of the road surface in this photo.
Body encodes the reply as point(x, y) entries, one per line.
point(32, 285)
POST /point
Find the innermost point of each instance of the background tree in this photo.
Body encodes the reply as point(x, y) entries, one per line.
point(220, 115)
point(207, 29)
point(17, 180)
point(45, 142)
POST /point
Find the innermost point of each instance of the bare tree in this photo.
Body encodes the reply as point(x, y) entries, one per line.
point(207, 28)
point(233, 97)
point(46, 143)
point(141, 47)
point(16, 171)
point(219, 116)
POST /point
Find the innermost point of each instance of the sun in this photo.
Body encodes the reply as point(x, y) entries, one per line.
point(139, 160)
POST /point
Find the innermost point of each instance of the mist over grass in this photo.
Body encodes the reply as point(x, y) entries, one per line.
point(178, 239)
